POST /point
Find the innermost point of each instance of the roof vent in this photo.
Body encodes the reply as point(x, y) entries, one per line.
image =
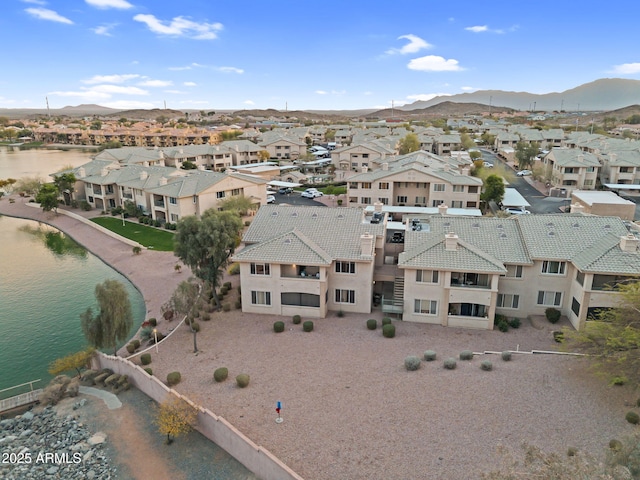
point(294, 214)
point(314, 215)
point(550, 224)
point(274, 214)
point(341, 216)
point(607, 227)
point(503, 235)
point(500, 226)
point(575, 225)
point(476, 225)
point(551, 234)
point(287, 241)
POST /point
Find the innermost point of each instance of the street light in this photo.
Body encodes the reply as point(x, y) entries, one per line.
point(155, 336)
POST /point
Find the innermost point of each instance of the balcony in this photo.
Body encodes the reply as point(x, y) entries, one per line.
point(300, 271)
point(159, 203)
point(470, 280)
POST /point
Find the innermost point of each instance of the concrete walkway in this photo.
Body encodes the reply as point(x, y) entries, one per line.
point(110, 399)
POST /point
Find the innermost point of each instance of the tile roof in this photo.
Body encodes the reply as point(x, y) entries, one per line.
point(606, 256)
point(571, 157)
point(289, 247)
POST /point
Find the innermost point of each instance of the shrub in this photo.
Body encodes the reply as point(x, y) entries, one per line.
point(618, 381)
point(153, 322)
point(486, 365)
point(137, 250)
point(340, 313)
point(297, 319)
point(558, 337)
point(386, 321)
point(632, 417)
point(514, 323)
point(412, 363)
point(615, 445)
point(466, 355)
point(238, 304)
point(572, 451)
point(552, 314)
point(502, 326)
point(278, 327)
point(145, 358)
point(372, 324)
point(221, 374)
point(224, 290)
point(388, 331)
point(226, 307)
point(195, 326)
point(84, 205)
point(206, 316)
point(173, 378)
point(506, 355)
point(148, 370)
point(429, 355)
point(247, 223)
point(242, 380)
point(307, 326)
point(131, 348)
point(227, 285)
point(146, 333)
point(499, 318)
point(136, 343)
point(234, 269)
point(450, 363)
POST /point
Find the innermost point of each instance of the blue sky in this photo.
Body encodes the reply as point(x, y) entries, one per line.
point(328, 55)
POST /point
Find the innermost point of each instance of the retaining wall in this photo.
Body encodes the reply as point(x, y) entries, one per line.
point(257, 459)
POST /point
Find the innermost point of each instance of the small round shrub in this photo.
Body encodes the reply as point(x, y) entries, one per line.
point(389, 331)
point(221, 374)
point(618, 381)
point(148, 370)
point(515, 323)
point(224, 290)
point(196, 314)
point(307, 326)
point(153, 322)
point(502, 326)
point(206, 316)
point(486, 365)
point(173, 378)
point(227, 285)
point(572, 451)
point(145, 358)
point(278, 327)
point(615, 445)
point(340, 314)
point(412, 363)
point(226, 307)
point(238, 304)
point(429, 355)
point(297, 319)
point(372, 324)
point(466, 355)
point(195, 326)
point(450, 363)
point(242, 380)
point(136, 343)
point(506, 355)
point(131, 348)
point(386, 321)
point(552, 314)
point(558, 337)
point(632, 417)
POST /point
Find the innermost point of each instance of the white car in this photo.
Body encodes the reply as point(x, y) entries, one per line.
point(311, 193)
point(271, 199)
point(488, 165)
point(517, 211)
point(524, 173)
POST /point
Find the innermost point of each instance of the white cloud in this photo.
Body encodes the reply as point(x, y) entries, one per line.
point(35, 2)
point(156, 83)
point(176, 92)
point(485, 28)
point(425, 97)
point(415, 45)
point(434, 63)
point(84, 94)
point(128, 105)
point(478, 29)
point(110, 78)
point(321, 92)
point(248, 102)
point(230, 70)
point(103, 30)
point(190, 84)
point(332, 92)
point(468, 89)
point(180, 26)
point(626, 69)
point(104, 4)
point(119, 89)
point(186, 67)
point(46, 14)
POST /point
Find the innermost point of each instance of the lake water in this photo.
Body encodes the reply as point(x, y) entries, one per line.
point(45, 282)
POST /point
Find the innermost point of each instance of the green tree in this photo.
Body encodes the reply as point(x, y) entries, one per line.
point(612, 341)
point(264, 155)
point(409, 143)
point(47, 197)
point(493, 189)
point(114, 319)
point(74, 361)
point(238, 204)
point(175, 417)
point(487, 138)
point(188, 165)
point(7, 185)
point(474, 155)
point(526, 152)
point(184, 301)
point(206, 244)
point(65, 183)
point(467, 142)
point(634, 119)
point(330, 135)
point(29, 185)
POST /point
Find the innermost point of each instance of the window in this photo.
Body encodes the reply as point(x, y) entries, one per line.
point(235, 191)
point(384, 201)
point(300, 299)
point(353, 199)
point(109, 188)
point(458, 188)
point(365, 155)
point(345, 296)
point(507, 300)
point(353, 185)
point(436, 202)
point(588, 182)
point(421, 200)
point(365, 200)
point(473, 189)
point(580, 277)
point(219, 194)
point(173, 200)
point(260, 298)
point(354, 165)
point(401, 199)
point(553, 268)
point(549, 299)
point(383, 185)
point(97, 189)
point(575, 307)
point(472, 204)
point(112, 203)
point(608, 282)
point(570, 170)
point(626, 169)
point(591, 169)
point(366, 185)
point(456, 204)
point(427, 276)
point(174, 217)
point(425, 307)
point(345, 267)
point(90, 199)
point(514, 271)
point(438, 187)
point(260, 269)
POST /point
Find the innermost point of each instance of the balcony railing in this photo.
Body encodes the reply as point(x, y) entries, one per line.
point(159, 203)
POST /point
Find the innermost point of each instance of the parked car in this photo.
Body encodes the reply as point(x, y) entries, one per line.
point(271, 199)
point(311, 193)
point(517, 211)
point(524, 173)
point(285, 190)
point(488, 165)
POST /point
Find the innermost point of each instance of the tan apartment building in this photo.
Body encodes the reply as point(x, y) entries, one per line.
point(572, 169)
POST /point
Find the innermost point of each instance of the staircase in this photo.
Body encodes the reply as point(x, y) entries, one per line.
point(398, 291)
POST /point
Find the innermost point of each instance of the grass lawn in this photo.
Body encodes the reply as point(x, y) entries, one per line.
point(148, 236)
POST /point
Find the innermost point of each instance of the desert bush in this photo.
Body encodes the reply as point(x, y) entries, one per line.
point(242, 380)
point(340, 314)
point(173, 378)
point(195, 326)
point(307, 326)
point(111, 380)
point(148, 370)
point(558, 336)
point(224, 290)
point(153, 322)
point(136, 343)
point(226, 307)
point(137, 250)
point(247, 223)
point(632, 417)
point(552, 314)
point(502, 326)
point(506, 355)
point(499, 318)
point(615, 445)
point(221, 374)
point(168, 315)
point(429, 355)
point(145, 358)
point(486, 365)
point(238, 304)
point(278, 327)
point(297, 319)
point(618, 381)
point(386, 321)
point(206, 316)
point(572, 451)
point(389, 330)
point(450, 363)
point(227, 285)
point(515, 323)
point(466, 355)
point(130, 348)
point(146, 333)
point(372, 324)
point(412, 363)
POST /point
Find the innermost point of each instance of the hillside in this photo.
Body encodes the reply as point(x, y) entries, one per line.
point(444, 109)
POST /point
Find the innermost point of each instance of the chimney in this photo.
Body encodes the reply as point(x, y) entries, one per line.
point(385, 166)
point(577, 208)
point(366, 245)
point(466, 171)
point(442, 209)
point(104, 172)
point(82, 172)
point(377, 207)
point(145, 163)
point(613, 157)
point(581, 158)
point(365, 169)
point(144, 175)
point(446, 167)
point(629, 243)
point(161, 152)
point(451, 242)
point(163, 181)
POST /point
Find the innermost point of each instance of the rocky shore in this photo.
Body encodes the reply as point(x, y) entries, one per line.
point(49, 444)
